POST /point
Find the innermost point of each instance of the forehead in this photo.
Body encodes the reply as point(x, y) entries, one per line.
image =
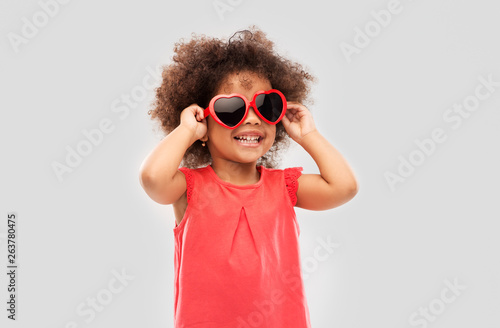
point(244, 81)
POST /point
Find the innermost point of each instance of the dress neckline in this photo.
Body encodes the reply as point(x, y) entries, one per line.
point(260, 168)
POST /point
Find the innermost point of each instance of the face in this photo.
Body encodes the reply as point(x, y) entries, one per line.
point(223, 143)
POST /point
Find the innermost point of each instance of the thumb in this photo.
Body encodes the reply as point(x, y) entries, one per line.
point(285, 121)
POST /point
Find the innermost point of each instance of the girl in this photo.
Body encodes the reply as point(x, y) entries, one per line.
point(227, 109)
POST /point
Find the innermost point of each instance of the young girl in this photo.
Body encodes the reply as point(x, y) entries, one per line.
point(227, 109)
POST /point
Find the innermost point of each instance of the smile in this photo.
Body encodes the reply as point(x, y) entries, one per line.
point(249, 141)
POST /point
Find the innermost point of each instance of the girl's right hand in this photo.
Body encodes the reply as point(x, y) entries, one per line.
point(192, 118)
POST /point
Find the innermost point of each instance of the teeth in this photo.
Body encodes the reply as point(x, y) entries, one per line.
point(248, 139)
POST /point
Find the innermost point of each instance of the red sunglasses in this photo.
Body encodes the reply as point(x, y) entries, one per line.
point(230, 110)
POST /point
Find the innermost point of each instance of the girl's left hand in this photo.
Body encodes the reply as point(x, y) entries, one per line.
point(298, 121)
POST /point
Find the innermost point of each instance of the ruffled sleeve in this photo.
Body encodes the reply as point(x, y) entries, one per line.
point(189, 181)
point(291, 176)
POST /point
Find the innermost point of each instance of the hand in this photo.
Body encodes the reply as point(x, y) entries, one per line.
point(192, 117)
point(298, 121)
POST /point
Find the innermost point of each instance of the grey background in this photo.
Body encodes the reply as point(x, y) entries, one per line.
point(396, 248)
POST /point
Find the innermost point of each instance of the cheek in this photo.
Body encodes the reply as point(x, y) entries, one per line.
point(212, 128)
point(217, 132)
point(272, 131)
point(271, 135)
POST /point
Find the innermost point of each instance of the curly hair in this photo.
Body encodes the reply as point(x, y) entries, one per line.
point(199, 68)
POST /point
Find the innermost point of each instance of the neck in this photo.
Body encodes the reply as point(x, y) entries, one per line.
point(236, 173)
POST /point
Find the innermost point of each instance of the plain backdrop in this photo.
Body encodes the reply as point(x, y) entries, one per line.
point(399, 96)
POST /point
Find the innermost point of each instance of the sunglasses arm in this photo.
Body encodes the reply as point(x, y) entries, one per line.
point(206, 112)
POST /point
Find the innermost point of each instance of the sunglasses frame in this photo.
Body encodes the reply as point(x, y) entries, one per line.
point(211, 111)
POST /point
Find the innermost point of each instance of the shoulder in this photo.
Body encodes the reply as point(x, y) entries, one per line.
point(287, 172)
point(289, 176)
point(190, 173)
point(292, 175)
point(191, 176)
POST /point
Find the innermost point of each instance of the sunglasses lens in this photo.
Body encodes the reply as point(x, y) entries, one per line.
point(270, 106)
point(230, 110)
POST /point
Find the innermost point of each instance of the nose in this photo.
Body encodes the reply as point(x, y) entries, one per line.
point(252, 117)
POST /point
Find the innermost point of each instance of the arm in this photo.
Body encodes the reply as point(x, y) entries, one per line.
point(159, 174)
point(336, 183)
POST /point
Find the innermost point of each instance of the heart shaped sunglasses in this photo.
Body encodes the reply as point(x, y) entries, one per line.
point(230, 110)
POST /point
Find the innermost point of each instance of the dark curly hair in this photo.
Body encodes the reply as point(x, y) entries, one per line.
point(199, 68)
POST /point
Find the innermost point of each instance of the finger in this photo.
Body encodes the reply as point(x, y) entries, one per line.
point(196, 108)
point(199, 113)
point(285, 121)
point(293, 104)
point(297, 108)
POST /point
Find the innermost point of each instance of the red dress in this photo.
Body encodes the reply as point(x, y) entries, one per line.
point(237, 259)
